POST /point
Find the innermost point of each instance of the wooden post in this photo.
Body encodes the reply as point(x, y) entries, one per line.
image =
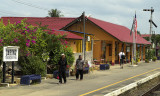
point(12, 72)
point(140, 52)
point(4, 72)
point(113, 52)
point(144, 51)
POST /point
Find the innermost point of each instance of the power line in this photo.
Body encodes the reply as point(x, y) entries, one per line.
point(29, 4)
point(39, 7)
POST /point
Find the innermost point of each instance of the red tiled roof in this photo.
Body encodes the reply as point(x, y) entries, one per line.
point(145, 35)
point(52, 22)
point(120, 32)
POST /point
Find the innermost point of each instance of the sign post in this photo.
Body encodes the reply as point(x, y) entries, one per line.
point(10, 54)
point(4, 71)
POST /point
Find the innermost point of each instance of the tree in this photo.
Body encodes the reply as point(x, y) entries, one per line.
point(35, 42)
point(55, 13)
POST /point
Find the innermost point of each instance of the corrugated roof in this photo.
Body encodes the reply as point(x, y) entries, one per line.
point(120, 32)
point(53, 23)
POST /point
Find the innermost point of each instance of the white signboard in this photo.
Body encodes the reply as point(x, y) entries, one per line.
point(128, 49)
point(10, 53)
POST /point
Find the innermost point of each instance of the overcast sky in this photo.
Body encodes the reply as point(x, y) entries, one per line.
point(115, 11)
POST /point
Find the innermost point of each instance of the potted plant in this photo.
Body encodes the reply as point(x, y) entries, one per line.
point(147, 60)
point(154, 58)
point(72, 71)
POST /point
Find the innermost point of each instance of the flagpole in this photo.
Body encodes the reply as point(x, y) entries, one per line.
point(133, 47)
point(135, 37)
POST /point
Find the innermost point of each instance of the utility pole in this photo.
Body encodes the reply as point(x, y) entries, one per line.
point(84, 41)
point(152, 10)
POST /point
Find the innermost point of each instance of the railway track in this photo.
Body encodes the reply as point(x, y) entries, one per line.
point(153, 89)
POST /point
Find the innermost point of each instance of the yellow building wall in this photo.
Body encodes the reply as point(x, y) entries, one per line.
point(72, 43)
point(91, 28)
point(96, 47)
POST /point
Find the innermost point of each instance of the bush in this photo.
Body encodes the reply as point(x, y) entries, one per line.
point(55, 55)
point(154, 58)
point(32, 65)
point(146, 60)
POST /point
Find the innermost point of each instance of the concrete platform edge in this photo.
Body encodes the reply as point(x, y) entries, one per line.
point(132, 85)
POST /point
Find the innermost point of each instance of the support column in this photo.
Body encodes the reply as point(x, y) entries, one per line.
point(113, 52)
point(4, 72)
point(130, 58)
point(140, 52)
point(129, 53)
point(124, 50)
point(12, 72)
point(144, 52)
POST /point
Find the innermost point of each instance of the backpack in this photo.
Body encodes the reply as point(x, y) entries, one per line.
point(123, 56)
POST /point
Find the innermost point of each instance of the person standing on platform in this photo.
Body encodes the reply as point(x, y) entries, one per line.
point(62, 68)
point(79, 68)
point(122, 57)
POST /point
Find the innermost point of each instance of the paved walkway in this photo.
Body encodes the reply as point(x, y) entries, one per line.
point(96, 83)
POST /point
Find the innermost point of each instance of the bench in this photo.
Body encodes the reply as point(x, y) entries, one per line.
point(104, 66)
point(26, 79)
point(86, 70)
point(55, 73)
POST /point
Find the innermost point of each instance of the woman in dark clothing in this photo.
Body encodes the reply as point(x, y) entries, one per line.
point(79, 68)
point(62, 68)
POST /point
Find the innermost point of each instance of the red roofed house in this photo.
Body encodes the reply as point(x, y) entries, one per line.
point(108, 39)
point(104, 41)
point(56, 23)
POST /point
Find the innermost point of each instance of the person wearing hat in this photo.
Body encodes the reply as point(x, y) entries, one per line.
point(62, 68)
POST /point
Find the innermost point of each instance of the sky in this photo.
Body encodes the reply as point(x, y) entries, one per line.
point(119, 12)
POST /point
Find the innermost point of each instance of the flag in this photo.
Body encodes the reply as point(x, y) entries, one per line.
point(135, 26)
point(132, 27)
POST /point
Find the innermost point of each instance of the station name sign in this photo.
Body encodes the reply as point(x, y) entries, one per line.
point(10, 53)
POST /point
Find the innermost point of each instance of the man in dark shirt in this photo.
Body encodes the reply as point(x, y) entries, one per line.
point(62, 68)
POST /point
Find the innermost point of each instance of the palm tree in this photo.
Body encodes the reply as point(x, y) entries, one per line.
point(55, 13)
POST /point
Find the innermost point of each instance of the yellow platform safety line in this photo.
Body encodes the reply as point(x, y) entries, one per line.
point(118, 82)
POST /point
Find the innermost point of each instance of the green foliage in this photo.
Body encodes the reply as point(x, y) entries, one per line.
point(55, 55)
point(69, 56)
point(38, 42)
point(148, 54)
point(146, 60)
point(137, 56)
point(55, 13)
point(32, 65)
point(154, 58)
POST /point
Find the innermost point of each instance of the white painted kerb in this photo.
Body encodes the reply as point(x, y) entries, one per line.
point(132, 85)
